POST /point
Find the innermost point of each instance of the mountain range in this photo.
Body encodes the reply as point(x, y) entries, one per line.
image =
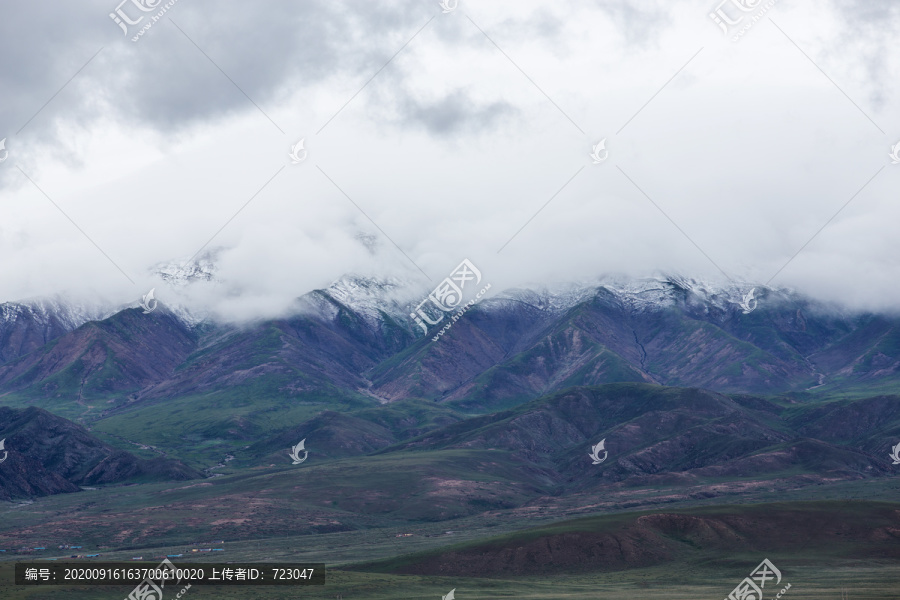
point(355, 340)
point(684, 383)
point(731, 430)
point(413, 462)
point(45, 454)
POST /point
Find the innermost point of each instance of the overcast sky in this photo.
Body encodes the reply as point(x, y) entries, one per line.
point(433, 137)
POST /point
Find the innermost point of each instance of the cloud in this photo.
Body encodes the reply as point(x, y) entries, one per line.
point(434, 138)
point(453, 114)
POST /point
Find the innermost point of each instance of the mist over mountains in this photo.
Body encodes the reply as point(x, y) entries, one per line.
point(357, 339)
point(701, 393)
point(670, 349)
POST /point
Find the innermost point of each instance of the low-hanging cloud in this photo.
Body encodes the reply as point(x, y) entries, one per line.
point(726, 159)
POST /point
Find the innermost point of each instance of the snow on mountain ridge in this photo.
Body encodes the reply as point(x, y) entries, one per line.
point(553, 299)
point(71, 314)
point(374, 297)
point(183, 272)
point(647, 293)
point(661, 291)
point(370, 297)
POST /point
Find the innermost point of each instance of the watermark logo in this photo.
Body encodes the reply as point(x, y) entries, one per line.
point(737, 20)
point(746, 302)
point(599, 153)
point(723, 20)
point(449, 6)
point(149, 590)
point(447, 297)
point(6, 152)
point(123, 20)
point(751, 588)
point(5, 453)
point(296, 450)
point(595, 452)
point(895, 453)
point(895, 154)
point(148, 303)
point(450, 596)
point(298, 154)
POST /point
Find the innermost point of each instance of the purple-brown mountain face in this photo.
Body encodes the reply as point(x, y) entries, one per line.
point(691, 394)
point(127, 351)
point(356, 340)
point(25, 327)
point(50, 455)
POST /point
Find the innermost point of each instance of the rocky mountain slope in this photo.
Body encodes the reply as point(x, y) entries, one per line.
point(355, 344)
point(814, 530)
point(684, 440)
point(26, 326)
point(49, 455)
point(660, 436)
point(410, 464)
point(126, 352)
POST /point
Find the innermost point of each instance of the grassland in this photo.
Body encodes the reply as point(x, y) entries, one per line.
point(865, 580)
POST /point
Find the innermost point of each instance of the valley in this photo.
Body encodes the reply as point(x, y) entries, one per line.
point(730, 438)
